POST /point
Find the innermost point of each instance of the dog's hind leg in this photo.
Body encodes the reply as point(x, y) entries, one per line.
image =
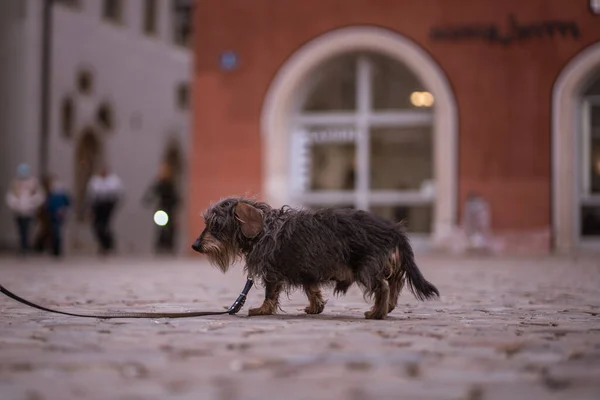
point(396, 283)
point(396, 280)
point(382, 299)
point(271, 302)
point(315, 299)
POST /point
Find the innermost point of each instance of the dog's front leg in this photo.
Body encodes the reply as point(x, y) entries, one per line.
point(315, 299)
point(271, 302)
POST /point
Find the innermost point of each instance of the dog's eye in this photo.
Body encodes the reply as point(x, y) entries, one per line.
point(215, 227)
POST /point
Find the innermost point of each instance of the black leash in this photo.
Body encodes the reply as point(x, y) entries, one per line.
point(235, 307)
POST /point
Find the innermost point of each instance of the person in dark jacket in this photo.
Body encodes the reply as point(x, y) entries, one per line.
point(43, 237)
point(57, 204)
point(164, 195)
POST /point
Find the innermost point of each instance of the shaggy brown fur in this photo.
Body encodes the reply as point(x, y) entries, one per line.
point(309, 249)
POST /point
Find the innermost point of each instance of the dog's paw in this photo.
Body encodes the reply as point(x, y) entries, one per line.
point(315, 308)
point(374, 315)
point(259, 311)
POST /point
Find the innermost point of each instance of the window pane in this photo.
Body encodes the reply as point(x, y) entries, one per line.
point(393, 85)
point(112, 10)
point(183, 96)
point(322, 158)
point(590, 220)
point(150, 16)
point(332, 87)
point(182, 22)
point(85, 81)
point(417, 219)
point(67, 117)
point(332, 166)
point(401, 158)
point(594, 88)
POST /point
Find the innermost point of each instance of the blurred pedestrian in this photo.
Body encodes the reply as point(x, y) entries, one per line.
point(104, 193)
point(43, 236)
point(476, 222)
point(164, 195)
point(24, 197)
point(57, 205)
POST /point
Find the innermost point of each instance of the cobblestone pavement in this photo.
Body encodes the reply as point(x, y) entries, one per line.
point(523, 328)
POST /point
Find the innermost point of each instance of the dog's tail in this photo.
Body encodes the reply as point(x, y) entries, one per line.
point(418, 285)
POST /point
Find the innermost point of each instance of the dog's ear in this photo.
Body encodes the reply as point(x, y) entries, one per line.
point(251, 219)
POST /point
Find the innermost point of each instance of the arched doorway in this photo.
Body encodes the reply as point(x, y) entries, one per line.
point(370, 122)
point(576, 154)
point(88, 156)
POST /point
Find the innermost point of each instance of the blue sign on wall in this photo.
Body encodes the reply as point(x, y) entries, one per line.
point(229, 60)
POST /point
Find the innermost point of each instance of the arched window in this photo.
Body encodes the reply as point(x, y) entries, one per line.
point(362, 136)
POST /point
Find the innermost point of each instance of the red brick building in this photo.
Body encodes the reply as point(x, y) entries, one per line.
point(404, 107)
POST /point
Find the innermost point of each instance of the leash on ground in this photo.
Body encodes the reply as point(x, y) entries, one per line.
point(235, 307)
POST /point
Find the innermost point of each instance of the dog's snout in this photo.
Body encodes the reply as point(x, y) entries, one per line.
point(197, 246)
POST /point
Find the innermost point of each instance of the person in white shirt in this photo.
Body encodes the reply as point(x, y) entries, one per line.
point(24, 198)
point(104, 192)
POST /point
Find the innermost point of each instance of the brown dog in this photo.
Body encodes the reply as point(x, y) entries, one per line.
point(308, 249)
